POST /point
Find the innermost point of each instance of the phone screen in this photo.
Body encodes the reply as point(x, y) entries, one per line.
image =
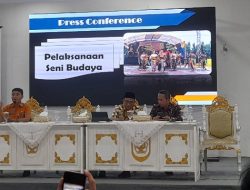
point(74, 181)
point(68, 186)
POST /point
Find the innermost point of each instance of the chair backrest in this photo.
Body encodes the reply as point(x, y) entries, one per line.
point(35, 107)
point(137, 104)
point(83, 103)
point(220, 118)
point(173, 100)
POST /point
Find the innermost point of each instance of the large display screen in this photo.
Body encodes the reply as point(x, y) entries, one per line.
point(100, 55)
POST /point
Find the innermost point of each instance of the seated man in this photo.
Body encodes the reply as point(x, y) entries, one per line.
point(129, 104)
point(165, 110)
point(18, 111)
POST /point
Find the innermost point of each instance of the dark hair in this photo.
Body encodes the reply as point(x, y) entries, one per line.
point(245, 179)
point(18, 90)
point(165, 93)
point(129, 95)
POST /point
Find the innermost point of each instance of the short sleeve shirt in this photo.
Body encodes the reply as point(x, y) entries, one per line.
point(173, 111)
point(17, 111)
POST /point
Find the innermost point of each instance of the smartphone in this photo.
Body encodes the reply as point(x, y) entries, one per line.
point(74, 181)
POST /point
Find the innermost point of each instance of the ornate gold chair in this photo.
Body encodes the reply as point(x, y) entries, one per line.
point(173, 100)
point(137, 103)
point(220, 129)
point(81, 104)
point(35, 107)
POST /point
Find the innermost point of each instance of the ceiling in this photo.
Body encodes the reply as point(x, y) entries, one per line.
point(28, 1)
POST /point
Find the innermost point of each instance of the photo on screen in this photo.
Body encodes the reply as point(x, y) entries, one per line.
point(168, 53)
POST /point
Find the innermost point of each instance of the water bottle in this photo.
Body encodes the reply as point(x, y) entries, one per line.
point(190, 112)
point(69, 113)
point(145, 109)
point(98, 108)
point(46, 109)
point(185, 113)
point(115, 108)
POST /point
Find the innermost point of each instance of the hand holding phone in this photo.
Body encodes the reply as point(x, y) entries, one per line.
point(73, 181)
point(80, 178)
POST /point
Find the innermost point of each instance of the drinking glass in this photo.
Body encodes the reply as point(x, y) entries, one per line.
point(6, 116)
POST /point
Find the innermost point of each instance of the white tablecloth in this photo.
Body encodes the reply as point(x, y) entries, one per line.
point(139, 132)
point(31, 133)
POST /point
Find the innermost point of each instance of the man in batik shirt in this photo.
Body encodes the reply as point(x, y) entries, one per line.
point(129, 103)
point(165, 109)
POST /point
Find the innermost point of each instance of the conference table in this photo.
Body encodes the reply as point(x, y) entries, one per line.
point(110, 146)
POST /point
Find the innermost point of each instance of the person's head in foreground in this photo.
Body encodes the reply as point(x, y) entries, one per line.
point(89, 178)
point(245, 179)
point(163, 98)
point(17, 95)
point(128, 100)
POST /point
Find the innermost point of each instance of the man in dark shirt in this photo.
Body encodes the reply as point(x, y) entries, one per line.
point(165, 109)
